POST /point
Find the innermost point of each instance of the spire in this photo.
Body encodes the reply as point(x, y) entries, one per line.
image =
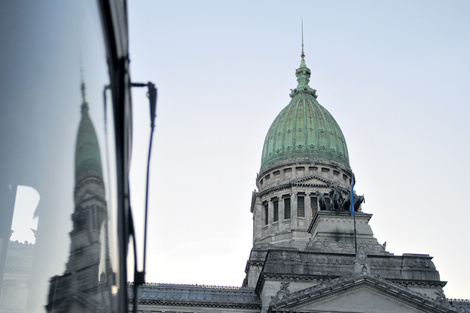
point(303, 72)
point(87, 151)
point(302, 55)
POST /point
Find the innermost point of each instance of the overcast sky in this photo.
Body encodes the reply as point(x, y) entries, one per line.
point(394, 74)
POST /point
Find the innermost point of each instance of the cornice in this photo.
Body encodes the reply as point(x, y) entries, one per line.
point(193, 303)
point(189, 295)
point(291, 277)
point(420, 283)
point(253, 263)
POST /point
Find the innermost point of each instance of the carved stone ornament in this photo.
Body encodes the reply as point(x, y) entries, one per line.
point(283, 292)
point(361, 264)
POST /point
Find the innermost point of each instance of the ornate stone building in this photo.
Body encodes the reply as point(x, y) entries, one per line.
point(311, 252)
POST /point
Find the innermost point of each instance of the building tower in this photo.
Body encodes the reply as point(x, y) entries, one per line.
point(86, 284)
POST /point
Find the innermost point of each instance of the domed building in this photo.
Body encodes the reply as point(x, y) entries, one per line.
point(313, 248)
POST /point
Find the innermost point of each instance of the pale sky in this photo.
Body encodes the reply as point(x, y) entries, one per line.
point(394, 74)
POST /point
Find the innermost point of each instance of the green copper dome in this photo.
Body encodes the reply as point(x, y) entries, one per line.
point(304, 131)
point(87, 151)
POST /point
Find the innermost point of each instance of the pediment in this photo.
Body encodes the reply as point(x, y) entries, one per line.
point(312, 180)
point(361, 293)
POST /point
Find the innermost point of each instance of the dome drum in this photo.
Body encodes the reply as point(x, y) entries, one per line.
point(283, 216)
point(301, 172)
point(287, 200)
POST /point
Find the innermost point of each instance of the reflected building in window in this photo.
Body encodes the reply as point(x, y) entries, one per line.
point(85, 286)
point(17, 273)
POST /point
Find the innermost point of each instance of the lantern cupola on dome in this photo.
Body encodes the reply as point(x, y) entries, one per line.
point(304, 131)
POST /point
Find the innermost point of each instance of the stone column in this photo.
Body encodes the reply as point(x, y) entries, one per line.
point(257, 220)
point(281, 213)
point(293, 209)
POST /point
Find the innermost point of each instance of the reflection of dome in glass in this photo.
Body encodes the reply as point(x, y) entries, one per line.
point(304, 131)
point(87, 152)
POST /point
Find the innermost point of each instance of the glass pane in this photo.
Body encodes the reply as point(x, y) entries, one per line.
point(300, 206)
point(275, 211)
point(57, 182)
point(266, 214)
point(287, 208)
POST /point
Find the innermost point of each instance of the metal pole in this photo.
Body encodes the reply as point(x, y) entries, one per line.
point(355, 236)
point(353, 181)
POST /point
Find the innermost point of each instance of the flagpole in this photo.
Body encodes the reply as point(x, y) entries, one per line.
point(353, 181)
point(355, 236)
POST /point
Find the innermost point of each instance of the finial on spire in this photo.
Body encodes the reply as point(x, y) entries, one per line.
point(303, 54)
point(82, 87)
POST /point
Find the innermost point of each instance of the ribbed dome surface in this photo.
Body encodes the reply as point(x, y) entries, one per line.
point(304, 130)
point(87, 151)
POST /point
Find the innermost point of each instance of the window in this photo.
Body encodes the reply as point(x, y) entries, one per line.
point(287, 208)
point(313, 205)
point(266, 210)
point(275, 211)
point(300, 206)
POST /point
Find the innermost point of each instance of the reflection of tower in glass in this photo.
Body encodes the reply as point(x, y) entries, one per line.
point(86, 283)
point(19, 259)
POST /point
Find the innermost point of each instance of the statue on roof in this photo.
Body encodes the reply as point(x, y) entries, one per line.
point(358, 200)
point(336, 198)
point(321, 200)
